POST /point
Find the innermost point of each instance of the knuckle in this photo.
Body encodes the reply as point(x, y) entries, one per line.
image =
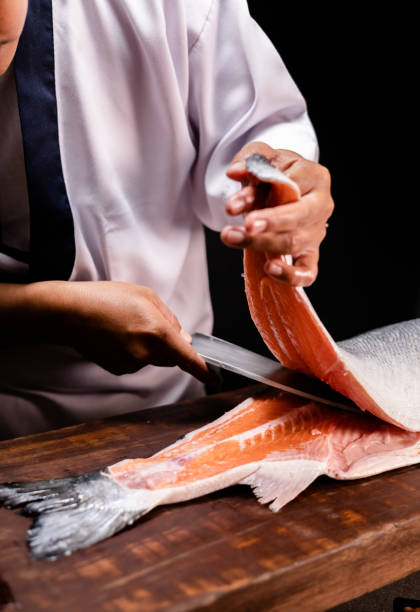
point(147, 290)
point(149, 295)
point(294, 243)
point(164, 335)
point(284, 159)
point(324, 175)
point(155, 333)
point(331, 207)
point(289, 222)
point(305, 212)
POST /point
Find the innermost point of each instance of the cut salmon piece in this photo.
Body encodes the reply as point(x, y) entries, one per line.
point(275, 443)
point(379, 370)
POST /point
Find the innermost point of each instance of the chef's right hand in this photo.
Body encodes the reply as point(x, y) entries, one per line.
point(120, 326)
point(124, 327)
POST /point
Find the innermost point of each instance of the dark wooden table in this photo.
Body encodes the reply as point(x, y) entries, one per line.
point(223, 552)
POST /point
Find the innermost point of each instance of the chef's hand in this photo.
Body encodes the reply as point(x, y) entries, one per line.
point(276, 227)
point(120, 326)
point(124, 327)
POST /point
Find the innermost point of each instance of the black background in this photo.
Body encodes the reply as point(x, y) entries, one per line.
point(358, 73)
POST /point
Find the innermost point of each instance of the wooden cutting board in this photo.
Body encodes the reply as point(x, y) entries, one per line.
point(222, 552)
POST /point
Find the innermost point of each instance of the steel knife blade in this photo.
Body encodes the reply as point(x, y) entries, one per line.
point(257, 367)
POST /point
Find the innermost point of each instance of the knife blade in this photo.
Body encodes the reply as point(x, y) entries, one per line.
point(239, 360)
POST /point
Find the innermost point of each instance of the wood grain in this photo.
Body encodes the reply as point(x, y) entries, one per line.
point(222, 552)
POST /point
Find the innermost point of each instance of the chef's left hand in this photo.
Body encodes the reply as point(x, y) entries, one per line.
point(276, 227)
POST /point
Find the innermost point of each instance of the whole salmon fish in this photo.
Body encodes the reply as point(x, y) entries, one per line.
point(276, 443)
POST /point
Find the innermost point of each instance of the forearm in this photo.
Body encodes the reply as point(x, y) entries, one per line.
point(119, 326)
point(12, 19)
point(36, 312)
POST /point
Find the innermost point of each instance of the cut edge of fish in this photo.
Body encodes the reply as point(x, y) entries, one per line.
point(76, 512)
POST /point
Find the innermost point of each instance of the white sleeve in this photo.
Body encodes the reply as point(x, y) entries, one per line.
point(240, 91)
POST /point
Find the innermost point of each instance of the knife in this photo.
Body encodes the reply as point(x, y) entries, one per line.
point(240, 360)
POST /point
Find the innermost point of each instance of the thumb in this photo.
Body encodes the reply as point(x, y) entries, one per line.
point(237, 171)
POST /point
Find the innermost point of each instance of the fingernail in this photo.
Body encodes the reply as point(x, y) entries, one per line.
point(235, 236)
point(186, 336)
point(275, 269)
point(236, 207)
point(236, 164)
point(258, 226)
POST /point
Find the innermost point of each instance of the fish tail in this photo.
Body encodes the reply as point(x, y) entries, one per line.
point(75, 512)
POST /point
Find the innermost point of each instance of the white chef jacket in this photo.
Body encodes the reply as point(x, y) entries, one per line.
point(130, 112)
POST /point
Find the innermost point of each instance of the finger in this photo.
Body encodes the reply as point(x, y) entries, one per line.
point(187, 337)
point(183, 355)
point(270, 191)
point(309, 210)
point(248, 198)
point(309, 175)
point(237, 170)
point(243, 200)
point(287, 243)
point(301, 273)
point(165, 311)
point(234, 236)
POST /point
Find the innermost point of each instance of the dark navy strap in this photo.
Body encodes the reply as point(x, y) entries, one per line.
point(17, 254)
point(52, 247)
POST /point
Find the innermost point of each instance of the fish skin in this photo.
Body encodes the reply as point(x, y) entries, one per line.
point(379, 370)
point(395, 386)
point(275, 443)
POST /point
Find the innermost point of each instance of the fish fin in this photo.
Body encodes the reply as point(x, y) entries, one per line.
point(13, 494)
point(281, 481)
point(73, 513)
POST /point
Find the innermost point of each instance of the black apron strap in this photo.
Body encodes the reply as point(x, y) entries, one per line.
point(52, 245)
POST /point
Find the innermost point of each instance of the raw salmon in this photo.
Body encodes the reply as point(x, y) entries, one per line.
point(378, 370)
point(276, 443)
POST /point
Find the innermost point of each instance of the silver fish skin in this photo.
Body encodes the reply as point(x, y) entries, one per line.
point(386, 362)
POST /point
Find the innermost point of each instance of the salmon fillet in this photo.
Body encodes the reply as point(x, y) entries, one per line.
point(275, 443)
point(378, 370)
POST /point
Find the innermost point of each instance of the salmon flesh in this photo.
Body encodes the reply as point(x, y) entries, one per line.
point(378, 370)
point(276, 443)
